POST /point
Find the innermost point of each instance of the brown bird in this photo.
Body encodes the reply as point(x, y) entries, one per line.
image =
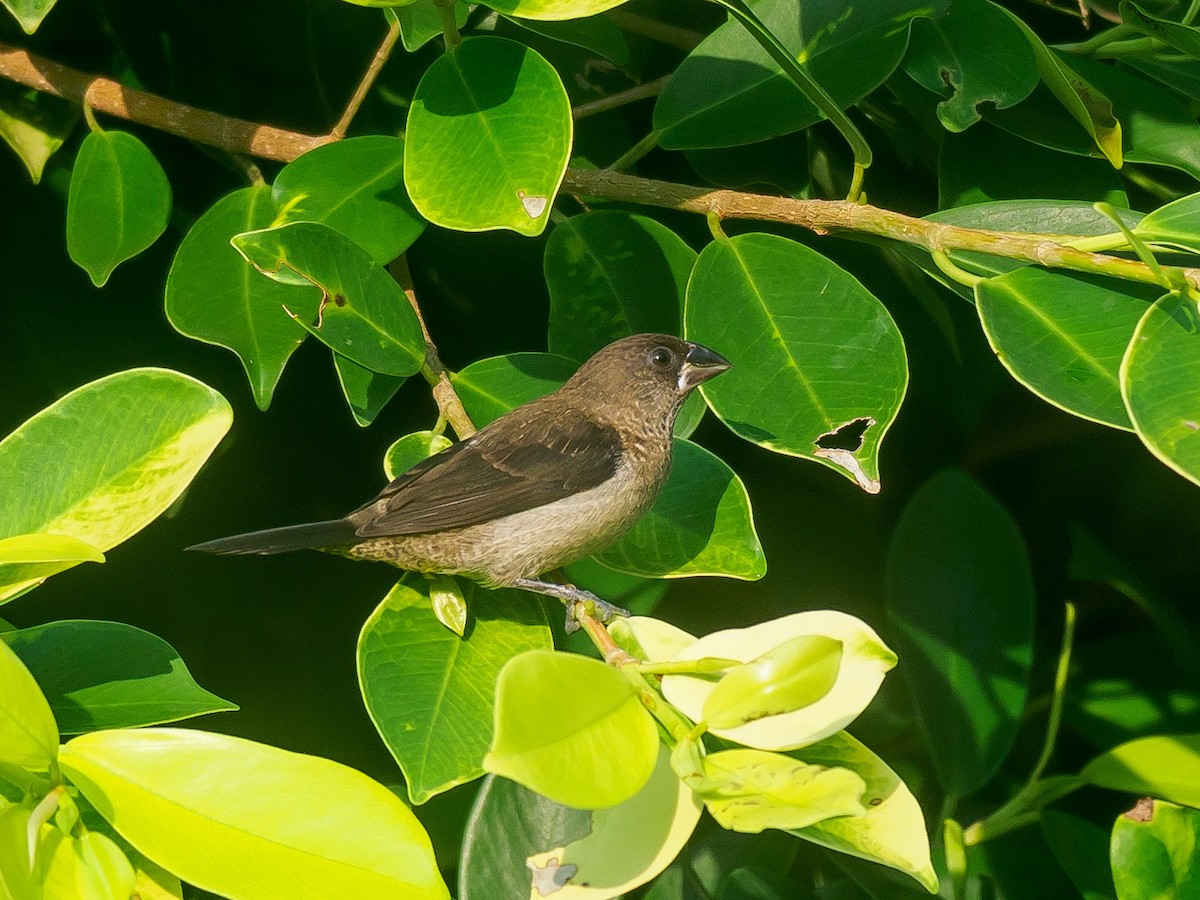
point(551, 482)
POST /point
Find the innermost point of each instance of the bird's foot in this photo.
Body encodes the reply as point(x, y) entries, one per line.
point(576, 600)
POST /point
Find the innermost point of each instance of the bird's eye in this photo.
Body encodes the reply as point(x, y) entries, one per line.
point(661, 357)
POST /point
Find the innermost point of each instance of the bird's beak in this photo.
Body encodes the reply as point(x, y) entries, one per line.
point(699, 365)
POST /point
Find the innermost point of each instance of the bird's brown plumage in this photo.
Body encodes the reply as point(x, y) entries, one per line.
point(550, 482)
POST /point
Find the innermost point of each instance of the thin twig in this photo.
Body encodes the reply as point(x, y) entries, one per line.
point(360, 93)
point(444, 395)
point(621, 98)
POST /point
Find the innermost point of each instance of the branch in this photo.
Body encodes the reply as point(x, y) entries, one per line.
point(824, 216)
point(820, 216)
point(108, 96)
point(447, 399)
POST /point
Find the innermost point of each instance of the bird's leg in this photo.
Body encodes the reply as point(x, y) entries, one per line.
point(572, 597)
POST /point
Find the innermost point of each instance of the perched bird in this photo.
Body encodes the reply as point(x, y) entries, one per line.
point(551, 482)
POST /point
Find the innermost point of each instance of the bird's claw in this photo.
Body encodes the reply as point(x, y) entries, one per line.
point(590, 605)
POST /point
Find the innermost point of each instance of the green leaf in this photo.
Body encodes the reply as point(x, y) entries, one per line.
point(1175, 224)
point(1081, 848)
point(1157, 127)
point(98, 675)
point(358, 309)
point(1086, 103)
point(508, 824)
point(104, 872)
point(28, 732)
point(765, 167)
point(420, 21)
point(730, 92)
point(1160, 766)
point(491, 387)
point(974, 55)
point(752, 790)
point(792, 676)
point(17, 880)
point(701, 524)
point(449, 603)
point(612, 274)
point(865, 660)
point(356, 187)
point(596, 33)
point(1063, 336)
point(365, 391)
point(1154, 852)
point(573, 729)
point(987, 163)
point(242, 819)
point(627, 845)
point(960, 592)
point(552, 10)
point(816, 358)
point(489, 134)
point(29, 13)
point(429, 692)
point(1162, 398)
point(119, 203)
point(214, 296)
point(410, 450)
point(1183, 38)
point(29, 559)
point(34, 124)
point(105, 460)
point(893, 830)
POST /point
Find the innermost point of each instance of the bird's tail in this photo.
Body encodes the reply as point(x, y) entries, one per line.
point(314, 535)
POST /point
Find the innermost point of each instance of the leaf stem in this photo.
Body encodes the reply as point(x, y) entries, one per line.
point(636, 152)
point(813, 91)
point(360, 93)
point(957, 273)
point(1061, 672)
point(449, 25)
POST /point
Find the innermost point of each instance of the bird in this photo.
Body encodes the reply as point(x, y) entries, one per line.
point(549, 483)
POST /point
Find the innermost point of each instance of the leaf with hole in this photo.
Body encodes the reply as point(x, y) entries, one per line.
point(973, 55)
point(819, 368)
point(354, 306)
point(1153, 852)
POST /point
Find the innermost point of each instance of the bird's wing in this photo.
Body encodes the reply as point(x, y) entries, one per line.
point(528, 461)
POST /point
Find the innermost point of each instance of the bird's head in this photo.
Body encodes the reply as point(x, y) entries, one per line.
point(649, 373)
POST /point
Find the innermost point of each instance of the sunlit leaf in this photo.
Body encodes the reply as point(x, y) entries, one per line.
point(1167, 767)
point(246, 820)
point(865, 660)
point(489, 133)
point(105, 460)
point(28, 732)
point(1153, 852)
point(573, 729)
